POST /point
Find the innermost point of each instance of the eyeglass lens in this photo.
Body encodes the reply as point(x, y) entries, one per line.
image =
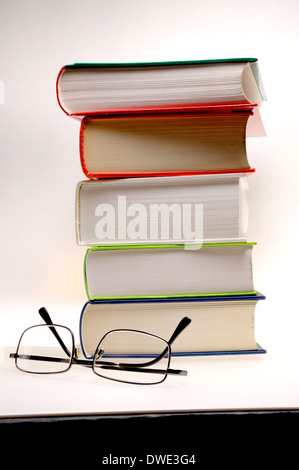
point(132, 357)
point(39, 351)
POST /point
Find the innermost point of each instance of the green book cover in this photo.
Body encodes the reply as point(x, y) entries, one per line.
point(161, 246)
point(160, 63)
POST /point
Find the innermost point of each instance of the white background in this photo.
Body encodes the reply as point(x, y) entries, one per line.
point(41, 263)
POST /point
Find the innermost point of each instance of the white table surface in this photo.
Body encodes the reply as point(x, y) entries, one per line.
point(214, 383)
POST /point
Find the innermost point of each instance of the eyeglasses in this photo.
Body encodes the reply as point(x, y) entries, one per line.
point(122, 355)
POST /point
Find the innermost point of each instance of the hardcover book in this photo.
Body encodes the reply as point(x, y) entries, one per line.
point(99, 88)
point(219, 325)
point(145, 271)
point(179, 209)
point(164, 144)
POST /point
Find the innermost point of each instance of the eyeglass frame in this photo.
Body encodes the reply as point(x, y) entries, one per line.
point(74, 359)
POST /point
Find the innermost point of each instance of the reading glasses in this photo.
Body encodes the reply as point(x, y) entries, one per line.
point(122, 355)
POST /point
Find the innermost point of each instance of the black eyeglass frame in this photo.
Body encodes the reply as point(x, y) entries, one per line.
point(73, 359)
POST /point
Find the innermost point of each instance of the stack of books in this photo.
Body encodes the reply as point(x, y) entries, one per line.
point(163, 212)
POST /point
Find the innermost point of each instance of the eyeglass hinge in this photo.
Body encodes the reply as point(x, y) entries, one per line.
point(78, 351)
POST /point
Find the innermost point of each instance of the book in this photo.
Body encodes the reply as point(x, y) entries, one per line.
point(219, 325)
point(178, 209)
point(146, 271)
point(84, 89)
point(164, 144)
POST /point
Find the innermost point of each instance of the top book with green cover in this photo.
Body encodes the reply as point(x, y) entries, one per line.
point(92, 89)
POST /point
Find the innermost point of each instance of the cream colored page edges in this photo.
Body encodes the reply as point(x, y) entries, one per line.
point(164, 144)
point(221, 325)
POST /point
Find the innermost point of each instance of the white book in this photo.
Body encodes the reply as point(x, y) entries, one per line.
point(180, 209)
point(94, 88)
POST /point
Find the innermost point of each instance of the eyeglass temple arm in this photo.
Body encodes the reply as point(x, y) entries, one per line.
point(88, 363)
point(136, 368)
point(47, 319)
point(181, 326)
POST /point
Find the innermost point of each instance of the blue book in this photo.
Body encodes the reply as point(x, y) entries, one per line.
point(219, 324)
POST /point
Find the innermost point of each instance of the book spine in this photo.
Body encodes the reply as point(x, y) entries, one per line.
point(57, 90)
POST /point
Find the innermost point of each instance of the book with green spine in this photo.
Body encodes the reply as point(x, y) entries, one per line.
point(162, 271)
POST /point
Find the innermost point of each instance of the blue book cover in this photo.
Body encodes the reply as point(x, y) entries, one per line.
point(154, 315)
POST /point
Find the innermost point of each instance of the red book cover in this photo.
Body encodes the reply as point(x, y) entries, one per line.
point(162, 128)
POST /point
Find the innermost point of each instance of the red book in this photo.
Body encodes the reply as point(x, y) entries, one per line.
point(165, 144)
